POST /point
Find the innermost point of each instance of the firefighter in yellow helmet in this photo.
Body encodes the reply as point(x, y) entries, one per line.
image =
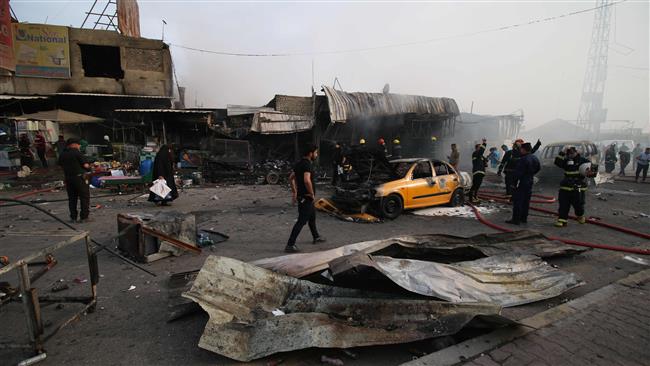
point(397, 149)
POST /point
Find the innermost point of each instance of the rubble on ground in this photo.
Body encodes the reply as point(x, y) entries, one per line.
point(243, 302)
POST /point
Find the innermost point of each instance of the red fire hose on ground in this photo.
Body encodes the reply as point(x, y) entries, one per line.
point(640, 251)
point(549, 199)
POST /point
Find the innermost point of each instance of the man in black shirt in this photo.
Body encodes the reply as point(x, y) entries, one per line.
point(303, 189)
point(74, 166)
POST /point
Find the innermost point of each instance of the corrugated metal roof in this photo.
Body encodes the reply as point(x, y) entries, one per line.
point(238, 110)
point(114, 95)
point(8, 96)
point(270, 123)
point(197, 111)
point(345, 106)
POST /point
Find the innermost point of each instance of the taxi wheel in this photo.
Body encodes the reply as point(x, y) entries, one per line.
point(457, 198)
point(391, 206)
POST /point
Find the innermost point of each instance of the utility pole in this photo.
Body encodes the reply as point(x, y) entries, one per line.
point(591, 113)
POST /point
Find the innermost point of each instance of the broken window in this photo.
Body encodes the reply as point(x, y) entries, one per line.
point(101, 61)
point(441, 168)
point(423, 170)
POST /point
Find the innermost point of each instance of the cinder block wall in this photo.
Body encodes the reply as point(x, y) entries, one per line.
point(146, 64)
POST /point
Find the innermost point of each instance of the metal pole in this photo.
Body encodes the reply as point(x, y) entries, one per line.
point(30, 305)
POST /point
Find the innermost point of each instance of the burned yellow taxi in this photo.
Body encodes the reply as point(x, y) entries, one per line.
point(387, 188)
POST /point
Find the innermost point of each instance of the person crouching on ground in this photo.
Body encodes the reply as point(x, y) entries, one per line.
point(304, 193)
point(163, 168)
point(527, 166)
point(74, 167)
point(572, 187)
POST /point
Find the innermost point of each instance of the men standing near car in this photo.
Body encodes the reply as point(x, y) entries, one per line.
point(454, 157)
point(479, 162)
point(527, 166)
point(509, 162)
point(642, 163)
point(74, 166)
point(572, 187)
point(304, 193)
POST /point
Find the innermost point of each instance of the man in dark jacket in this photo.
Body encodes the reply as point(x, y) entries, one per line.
point(527, 166)
point(479, 162)
point(74, 166)
point(509, 163)
point(572, 187)
point(610, 158)
point(40, 144)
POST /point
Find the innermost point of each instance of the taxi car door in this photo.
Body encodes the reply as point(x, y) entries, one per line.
point(446, 181)
point(422, 189)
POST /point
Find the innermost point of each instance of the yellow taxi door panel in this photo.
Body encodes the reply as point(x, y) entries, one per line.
point(422, 189)
point(445, 182)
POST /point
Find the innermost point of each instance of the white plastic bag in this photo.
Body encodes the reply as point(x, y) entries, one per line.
point(160, 188)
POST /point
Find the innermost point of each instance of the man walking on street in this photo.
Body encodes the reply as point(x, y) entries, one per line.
point(527, 166)
point(74, 166)
point(642, 163)
point(304, 190)
point(572, 187)
point(479, 162)
point(39, 143)
point(454, 157)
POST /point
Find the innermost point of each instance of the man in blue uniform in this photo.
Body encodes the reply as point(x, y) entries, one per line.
point(479, 162)
point(509, 163)
point(572, 187)
point(527, 166)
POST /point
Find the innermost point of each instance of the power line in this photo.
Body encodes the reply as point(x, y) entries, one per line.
point(397, 45)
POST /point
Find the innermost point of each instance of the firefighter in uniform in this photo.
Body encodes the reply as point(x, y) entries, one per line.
point(479, 162)
point(573, 186)
point(509, 163)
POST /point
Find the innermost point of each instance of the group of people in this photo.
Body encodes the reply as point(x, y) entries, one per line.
point(40, 144)
point(76, 169)
point(519, 165)
point(638, 157)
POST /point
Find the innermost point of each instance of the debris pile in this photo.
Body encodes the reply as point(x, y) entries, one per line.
point(377, 292)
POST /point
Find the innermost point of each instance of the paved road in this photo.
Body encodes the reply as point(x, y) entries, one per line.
point(611, 332)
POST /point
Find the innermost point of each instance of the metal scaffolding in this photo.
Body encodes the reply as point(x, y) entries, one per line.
point(104, 19)
point(591, 113)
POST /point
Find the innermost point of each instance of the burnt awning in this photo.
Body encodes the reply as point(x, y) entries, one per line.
point(344, 106)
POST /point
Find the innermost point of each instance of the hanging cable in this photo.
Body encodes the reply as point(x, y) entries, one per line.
point(396, 45)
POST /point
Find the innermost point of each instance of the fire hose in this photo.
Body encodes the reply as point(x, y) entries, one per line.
point(639, 251)
point(589, 220)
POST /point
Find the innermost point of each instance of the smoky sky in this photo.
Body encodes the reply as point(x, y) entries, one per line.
point(537, 68)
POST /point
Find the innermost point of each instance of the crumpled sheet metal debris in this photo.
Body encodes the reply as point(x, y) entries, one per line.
point(328, 207)
point(506, 280)
point(420, 246)
point(240, 299)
